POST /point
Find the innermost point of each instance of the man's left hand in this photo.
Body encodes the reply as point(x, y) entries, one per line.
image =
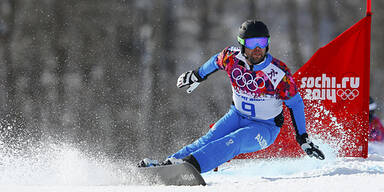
point(311, 149)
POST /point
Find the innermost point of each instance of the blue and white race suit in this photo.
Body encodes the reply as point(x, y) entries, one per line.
point(255, 117)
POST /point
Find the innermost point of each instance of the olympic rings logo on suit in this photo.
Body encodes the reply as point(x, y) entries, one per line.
point(247, 80)
point(348, 94)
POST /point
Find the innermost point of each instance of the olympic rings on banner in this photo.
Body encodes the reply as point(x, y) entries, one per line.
point(247, 80)
point(348, 94)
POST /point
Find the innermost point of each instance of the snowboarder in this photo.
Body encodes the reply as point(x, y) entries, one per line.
point(376, 129)
point(260, 85)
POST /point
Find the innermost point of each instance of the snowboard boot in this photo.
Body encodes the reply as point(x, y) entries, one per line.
point(189, 159)
point(192, 160)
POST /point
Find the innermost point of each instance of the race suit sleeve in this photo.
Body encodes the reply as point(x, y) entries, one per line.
point(216, 62)
point(296, 108)
point(208, 67)
point(289, 93)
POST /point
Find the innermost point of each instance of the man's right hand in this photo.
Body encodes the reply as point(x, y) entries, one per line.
point(189, 79)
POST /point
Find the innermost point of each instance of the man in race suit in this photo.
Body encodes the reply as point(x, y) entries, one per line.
point(260, 85)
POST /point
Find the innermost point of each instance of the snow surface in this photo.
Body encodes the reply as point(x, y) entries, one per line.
point(65, 169)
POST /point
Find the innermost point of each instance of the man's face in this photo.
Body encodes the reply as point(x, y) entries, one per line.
point(255, 55)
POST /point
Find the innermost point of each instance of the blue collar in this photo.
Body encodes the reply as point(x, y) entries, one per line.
point(263, 64)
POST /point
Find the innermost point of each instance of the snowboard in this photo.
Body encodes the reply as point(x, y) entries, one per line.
point(180, 174)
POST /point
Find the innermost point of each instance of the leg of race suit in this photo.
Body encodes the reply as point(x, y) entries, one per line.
point(253, 137)
point(228, 123)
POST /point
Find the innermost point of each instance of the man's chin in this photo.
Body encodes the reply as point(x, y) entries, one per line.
point(256, 61)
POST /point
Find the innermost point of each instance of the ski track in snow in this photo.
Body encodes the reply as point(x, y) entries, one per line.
point(65, 169)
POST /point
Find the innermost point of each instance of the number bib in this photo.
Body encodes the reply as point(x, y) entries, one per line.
point(264, 108)
point(254, 92)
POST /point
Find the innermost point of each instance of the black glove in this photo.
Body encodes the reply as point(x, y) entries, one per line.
point(190, 79)
point(311, 149)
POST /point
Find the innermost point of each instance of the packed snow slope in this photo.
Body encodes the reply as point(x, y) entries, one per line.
point(65, 169)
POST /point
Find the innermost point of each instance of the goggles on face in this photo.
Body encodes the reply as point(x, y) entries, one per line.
point(252, 43)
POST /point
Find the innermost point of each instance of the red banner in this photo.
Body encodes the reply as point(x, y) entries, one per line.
point(334, 85)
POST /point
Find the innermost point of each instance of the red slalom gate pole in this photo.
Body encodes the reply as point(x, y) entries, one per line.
point(369, 8)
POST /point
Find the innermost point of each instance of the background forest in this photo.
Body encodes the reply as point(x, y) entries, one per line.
point(101, 75)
